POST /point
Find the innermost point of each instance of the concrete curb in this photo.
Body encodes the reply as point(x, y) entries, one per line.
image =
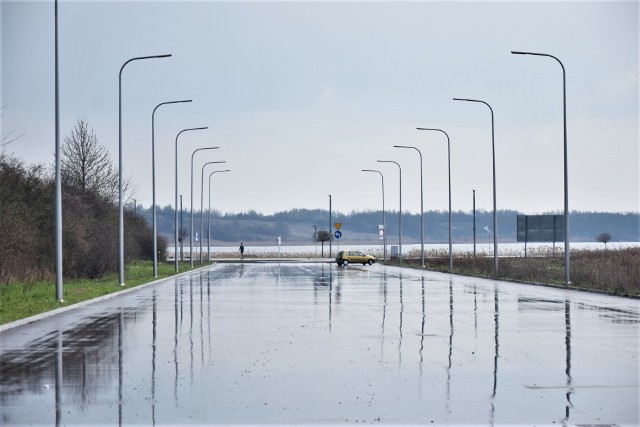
point(55, 312)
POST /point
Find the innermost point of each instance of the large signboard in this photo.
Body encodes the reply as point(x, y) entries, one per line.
point(540, 228)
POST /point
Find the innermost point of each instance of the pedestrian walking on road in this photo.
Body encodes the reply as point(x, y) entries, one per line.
point(241, 250)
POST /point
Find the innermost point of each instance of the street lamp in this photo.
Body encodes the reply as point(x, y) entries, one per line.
point(399, 211)
point(421, 202)
point(120, 169)
point(153, 183)
point(449, 169)
point(176, 191)
point(566, 173)
point(191, 235)
point(474, 223)
point(384, 234)
point(58, 168)
point(495, 220)
point(330, 225)
point(201, 204)
point(209, 215)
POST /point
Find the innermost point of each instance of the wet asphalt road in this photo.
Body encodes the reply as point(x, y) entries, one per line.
point(317, 343)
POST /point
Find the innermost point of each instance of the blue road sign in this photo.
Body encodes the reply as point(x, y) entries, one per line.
point(337, 234)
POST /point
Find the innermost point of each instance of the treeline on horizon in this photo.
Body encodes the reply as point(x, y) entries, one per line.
point(89, 215)
point(297, 225)
point(90, 218)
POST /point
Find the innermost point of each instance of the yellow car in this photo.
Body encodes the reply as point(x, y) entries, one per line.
point(345, 257)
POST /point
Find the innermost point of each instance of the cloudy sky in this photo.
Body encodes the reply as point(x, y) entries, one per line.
point(301, 96)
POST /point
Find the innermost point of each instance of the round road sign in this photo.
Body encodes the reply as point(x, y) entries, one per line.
point(337, 234)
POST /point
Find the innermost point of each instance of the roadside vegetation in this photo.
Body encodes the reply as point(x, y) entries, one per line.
point(89, 222)
point(24, 299)
point(615, 271)
point(89, 210)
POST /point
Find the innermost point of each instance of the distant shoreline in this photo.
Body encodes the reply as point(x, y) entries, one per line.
point(291, 248)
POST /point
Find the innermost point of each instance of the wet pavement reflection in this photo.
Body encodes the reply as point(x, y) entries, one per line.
point(316, 343)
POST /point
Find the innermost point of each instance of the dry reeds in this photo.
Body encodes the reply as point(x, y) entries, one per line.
point(615, 271)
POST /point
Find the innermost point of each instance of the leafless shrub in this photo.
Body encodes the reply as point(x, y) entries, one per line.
point(23, 221)
point(603, 237)
point(89, 218)
point(9, 137)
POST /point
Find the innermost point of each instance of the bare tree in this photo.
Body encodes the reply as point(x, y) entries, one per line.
point(604, 237)
point(322, 236)
point(9, 137)
point(86, 164)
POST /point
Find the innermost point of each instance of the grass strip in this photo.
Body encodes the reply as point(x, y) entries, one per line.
point(19, 300)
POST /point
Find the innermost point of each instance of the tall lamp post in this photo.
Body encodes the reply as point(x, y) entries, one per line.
point(176, 191)
point(181, 235)
point(209, 215)
point(120, 169)
point(58, 188)
point(191, 235)
point(399, 211)
point(474, 223)
point(202, 204)
point(495, 220)
point(330, 234)
point(421, 202)
point(384, 234)
point(153, 183)
point(566, 173)
point(449, 170)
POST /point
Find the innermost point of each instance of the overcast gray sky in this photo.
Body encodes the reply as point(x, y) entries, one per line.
point(302, 96)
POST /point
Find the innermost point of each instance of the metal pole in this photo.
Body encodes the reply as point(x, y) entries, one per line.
point(421, 202)
point(191, 235)
point(399, 211)
point(120, 169)
point(153, 184)
point(384, 234)
point(449, 172)
point(202, 206)
point(330, 234)
point(315, 238)
point(58, 189)
point(384, 225)
point(176, 195)
point(495, 220)
point(474, 223)
point(182, 238)
point(209, 214)
point(209, 223)
point(567, 269)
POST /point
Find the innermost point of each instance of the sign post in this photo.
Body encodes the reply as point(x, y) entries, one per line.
point(338, 234)
point(540, 228)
